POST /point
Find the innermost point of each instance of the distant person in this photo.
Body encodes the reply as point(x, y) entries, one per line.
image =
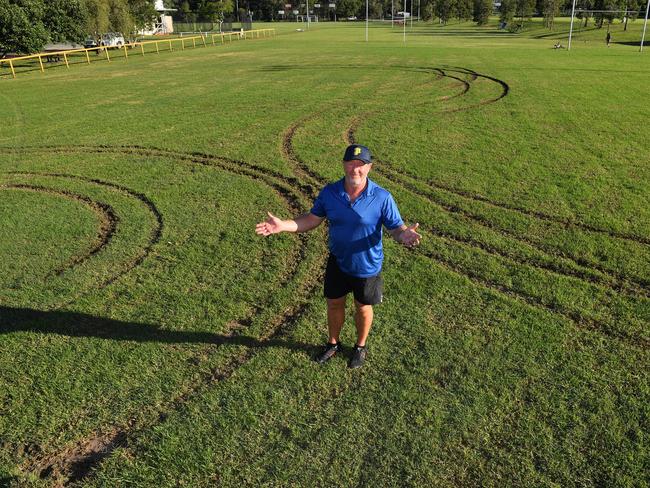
point(608, 38)
point(356, 209)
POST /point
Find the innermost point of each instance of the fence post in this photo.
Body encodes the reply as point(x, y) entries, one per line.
point(126, 54)
point(40, 61)
point(65, 58)
point(157, 48)
point(193, 41)
point(11, 65)
point(87, 56)
point(142, 48)
point(212, 39)
point(107, 56)
point(204, 44)
point(170, 45)
point(182, 44)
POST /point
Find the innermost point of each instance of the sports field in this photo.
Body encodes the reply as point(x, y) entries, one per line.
point(148, 337)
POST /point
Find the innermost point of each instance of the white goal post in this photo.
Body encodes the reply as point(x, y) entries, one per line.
point(573, 12)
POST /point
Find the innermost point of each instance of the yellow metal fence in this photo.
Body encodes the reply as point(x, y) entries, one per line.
point(160, 45)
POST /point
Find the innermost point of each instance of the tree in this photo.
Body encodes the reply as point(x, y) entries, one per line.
point(21, 27)
point(550, 10)
point(463, 9)
point(97, 21)
point(65, 20)
point(523, 10)
point(507, 11)
point(601, 17)
point(443, 9)
point(482, 11)
point(630, 11)
point(143, 13)
point(346, 8)
point(27, 25)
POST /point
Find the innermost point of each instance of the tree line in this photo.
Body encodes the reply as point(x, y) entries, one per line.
point(27, 25)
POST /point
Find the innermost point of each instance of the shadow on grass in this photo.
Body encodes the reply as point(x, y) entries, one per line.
point(461, 33)
point(73, 324)
point(632, 43)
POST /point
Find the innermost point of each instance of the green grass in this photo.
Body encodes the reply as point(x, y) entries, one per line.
point(512, 346)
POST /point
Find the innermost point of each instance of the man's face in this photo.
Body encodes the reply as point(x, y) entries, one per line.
point(356, 172)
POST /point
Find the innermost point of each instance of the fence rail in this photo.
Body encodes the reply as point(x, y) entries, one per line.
point(167, 45)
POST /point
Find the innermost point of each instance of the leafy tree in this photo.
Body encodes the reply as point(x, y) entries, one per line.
point(443, 9)
point(631, 11)
point(97, 21)
point(21, 27)
point(346, 8)
point(143, 13)
point(428, 10)
point(507, 11)
point(602, 17)
point(523, 11)
point(65, 20)
point(27, 25)
point(482, 11)
point(550, 10)
point(463, 9)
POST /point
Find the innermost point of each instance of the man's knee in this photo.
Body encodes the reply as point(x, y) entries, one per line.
point(336, 303)
point(362, 307)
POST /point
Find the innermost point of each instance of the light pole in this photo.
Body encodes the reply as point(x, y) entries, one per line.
point(645, 24)
point(573, 11)
point(404, 20)
point(366, 20)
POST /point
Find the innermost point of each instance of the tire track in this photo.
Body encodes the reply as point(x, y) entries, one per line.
point(76, 463)
point(586, 323)
point(128, 266)
point(613, 280)
point(575, 317)
point(106, 213)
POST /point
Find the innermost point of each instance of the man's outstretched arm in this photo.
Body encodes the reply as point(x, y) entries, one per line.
point(406, 235)
point(274, 225)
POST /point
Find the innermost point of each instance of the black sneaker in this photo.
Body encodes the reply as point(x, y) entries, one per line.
point(359, 354)
point(328, 352)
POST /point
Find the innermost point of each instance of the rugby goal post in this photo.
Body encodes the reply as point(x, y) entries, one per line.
point(573, 12)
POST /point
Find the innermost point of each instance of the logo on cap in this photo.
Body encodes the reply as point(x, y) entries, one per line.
point(357, 151)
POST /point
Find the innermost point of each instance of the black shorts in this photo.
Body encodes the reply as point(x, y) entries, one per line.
point(368, 291)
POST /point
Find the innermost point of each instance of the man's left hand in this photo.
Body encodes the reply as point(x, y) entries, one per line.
point(409, 237)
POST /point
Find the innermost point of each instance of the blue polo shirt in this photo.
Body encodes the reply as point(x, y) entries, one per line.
point(356, 228)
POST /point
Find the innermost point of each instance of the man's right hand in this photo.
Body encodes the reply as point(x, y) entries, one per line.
point(272, 225)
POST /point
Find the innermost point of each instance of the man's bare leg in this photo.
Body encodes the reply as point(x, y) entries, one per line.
point(335, 318)
point(363, 320)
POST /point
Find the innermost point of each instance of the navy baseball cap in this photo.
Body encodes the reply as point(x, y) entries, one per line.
point(356, 151)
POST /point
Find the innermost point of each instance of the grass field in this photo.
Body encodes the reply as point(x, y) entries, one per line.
point(149, 338)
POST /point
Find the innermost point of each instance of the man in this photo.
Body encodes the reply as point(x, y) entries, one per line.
point(356, 209)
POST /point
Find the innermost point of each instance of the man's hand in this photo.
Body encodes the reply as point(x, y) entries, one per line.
point(272, 225)
point(408, 235)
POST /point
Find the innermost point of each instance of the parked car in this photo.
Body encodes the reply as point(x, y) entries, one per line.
point(112, 39)
point(90, 42)
point(352, 17)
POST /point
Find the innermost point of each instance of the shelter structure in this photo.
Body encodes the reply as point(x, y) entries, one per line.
point(164, 23)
